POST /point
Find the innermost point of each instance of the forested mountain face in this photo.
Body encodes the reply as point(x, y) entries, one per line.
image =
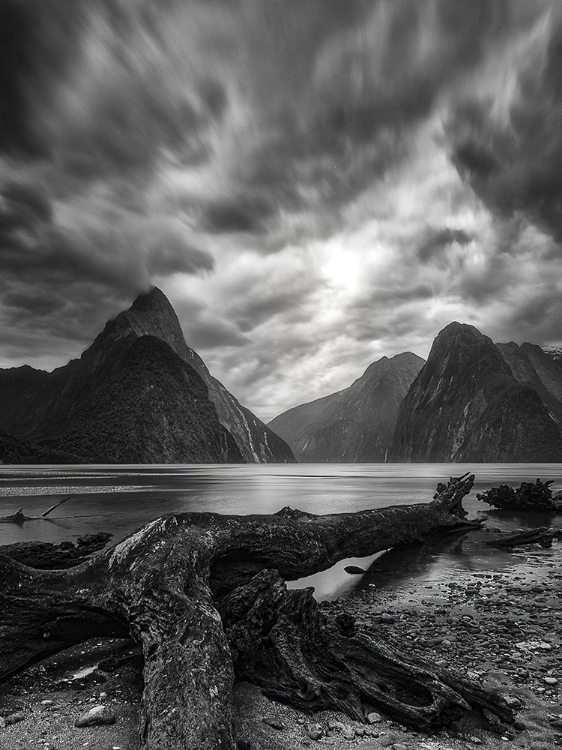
point(353, 425)
point(145, 405)
point(531, 366)
point(137, 394)
point(475, 401)
point(16, 451)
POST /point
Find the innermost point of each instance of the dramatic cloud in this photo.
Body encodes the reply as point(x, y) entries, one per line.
point(437, 242)
point(315, 183)
point(511, 153)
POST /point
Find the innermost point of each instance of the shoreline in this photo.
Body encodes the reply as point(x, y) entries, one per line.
point(502, 628)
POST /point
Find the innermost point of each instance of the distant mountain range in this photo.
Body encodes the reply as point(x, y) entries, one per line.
point(356, 424)
point(139, 394)
point(472, 401)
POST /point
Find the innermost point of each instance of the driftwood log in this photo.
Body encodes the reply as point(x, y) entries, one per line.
point(543, 536)
point(535, 496)
point(19, 517)
point(204, 596)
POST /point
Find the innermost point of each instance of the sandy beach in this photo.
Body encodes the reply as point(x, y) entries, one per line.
point(501, 629)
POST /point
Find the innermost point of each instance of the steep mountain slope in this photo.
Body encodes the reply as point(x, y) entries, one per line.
point(467, 405)
point(152, 315)
point(532, 367)
point(547, 367)
point(145, 405)
point(353, 425)
point(41, 406)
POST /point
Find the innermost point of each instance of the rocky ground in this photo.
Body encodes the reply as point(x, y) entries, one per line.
point(500, 628)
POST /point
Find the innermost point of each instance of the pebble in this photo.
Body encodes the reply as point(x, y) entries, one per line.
point(512, 702)
point(315, 731)
point(273, 723)
point(354, 569)
point(551, 680)
point(95, 716)
point(387, 618)
point(374, 718)
point(15, 718)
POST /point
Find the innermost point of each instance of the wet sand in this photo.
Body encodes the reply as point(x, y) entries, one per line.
point(501, 628)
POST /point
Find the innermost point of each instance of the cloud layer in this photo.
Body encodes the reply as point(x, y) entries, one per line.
point(314, 183)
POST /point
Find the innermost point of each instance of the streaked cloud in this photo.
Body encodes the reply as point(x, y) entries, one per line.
point(315, 183)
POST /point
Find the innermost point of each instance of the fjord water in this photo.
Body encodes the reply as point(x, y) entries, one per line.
point(119, 499)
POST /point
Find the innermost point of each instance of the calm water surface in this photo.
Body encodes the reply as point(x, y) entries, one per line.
point(119, 499)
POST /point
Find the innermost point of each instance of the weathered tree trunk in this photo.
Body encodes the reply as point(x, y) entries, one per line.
point(281, 641)
point(166, 584)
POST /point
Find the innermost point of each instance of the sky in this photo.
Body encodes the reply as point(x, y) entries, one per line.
point(313, 183)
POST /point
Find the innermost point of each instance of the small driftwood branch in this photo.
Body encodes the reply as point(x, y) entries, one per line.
point(56, 505)
point(19, 517)
point(542, 536)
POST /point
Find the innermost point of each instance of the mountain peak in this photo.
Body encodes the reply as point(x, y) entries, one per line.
point(407, 357)
point(467, 405)
point(154, 299)
point(455, 329)
point(392, 364)
point(356, 423)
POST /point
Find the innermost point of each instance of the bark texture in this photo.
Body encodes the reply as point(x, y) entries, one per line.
point(204, 596)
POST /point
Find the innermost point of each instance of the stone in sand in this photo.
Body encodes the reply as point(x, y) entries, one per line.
point(95, 716)
point(354, 570)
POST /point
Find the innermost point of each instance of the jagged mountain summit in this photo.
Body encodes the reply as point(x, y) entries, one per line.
point(355, 424)
point(152, 314)
point(477, 401)
point(138, 394)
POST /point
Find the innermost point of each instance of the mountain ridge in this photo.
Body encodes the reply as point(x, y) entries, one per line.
point(466, 404)
point(355, 424)
point(149, 406)
point(37, 406)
